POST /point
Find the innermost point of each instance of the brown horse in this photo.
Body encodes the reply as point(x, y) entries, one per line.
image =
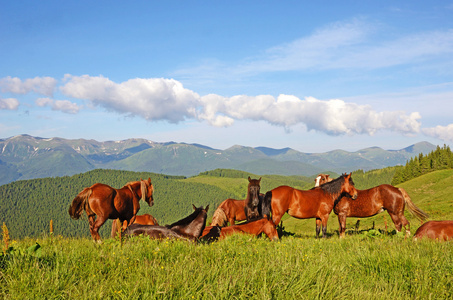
point(231, 210)
point(436, 230)
point(252, 200)
point(375, 200)
point(189, 228)
point(315, 203)
point(145, 219)
point(106, 202)
point(255, 227)
point(321, 179)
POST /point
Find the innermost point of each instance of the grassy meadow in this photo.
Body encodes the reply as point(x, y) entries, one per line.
point(372, 262)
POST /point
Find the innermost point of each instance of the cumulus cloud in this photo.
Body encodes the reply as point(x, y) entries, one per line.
point(444, 133)
point(41, 85)
point(157, 99)
point(59, 105)
point(9, 103)
point(152, 99)
point(333, 117)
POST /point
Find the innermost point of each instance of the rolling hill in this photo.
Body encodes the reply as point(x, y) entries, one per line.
point(27, 157)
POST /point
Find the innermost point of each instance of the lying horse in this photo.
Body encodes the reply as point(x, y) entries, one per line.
point(189, 228)
point(231, 210)
point(106, 202)
point(255, 227)
point(436, 230)
point(145, 219)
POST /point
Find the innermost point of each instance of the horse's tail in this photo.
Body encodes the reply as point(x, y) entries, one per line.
point(266, 205)
point(417, 212)
point(219, 218)
point(78, 203)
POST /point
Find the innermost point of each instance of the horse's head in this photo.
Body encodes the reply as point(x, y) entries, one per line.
point(321, 179)
point(348, 186)
point(254, 191)
point(147, 190)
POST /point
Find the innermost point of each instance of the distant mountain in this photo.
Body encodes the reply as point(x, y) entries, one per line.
point(28, 157)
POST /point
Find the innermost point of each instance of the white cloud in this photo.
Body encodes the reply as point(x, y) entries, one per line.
point(41, 85)
point(333, 117)
point(444, 133)
point(152, 99)
point(65, 106)
point(9, 103)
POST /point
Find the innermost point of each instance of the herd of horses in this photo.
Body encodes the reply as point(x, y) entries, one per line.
point(261, 212)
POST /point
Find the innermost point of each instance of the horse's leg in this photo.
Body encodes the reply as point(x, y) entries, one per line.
point(342, 223)
point(318, 227)
point(324, 226)
point(95, 228)
point(396, 220)
point(406, 225)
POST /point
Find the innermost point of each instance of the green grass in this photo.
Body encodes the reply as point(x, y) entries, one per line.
point(240, 267)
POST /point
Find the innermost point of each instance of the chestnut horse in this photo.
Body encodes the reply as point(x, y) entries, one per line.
point(315, 203)
point(106, 202)
point(255, 227)
point(436, 230)
point(375, 200)
point(189, 228)
point(231, 210)
point(321, 179)
point(145, 219)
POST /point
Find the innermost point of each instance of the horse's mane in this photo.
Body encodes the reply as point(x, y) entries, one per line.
point(187, 220)
point(334, 186)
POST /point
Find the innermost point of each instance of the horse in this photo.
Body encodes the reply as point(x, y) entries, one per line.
point(231, 210)
point(304, 204)
point(372, 201)
point(106, 202)
point(256, 227)
point(436, 230)
point(253, 199)
point(321, 179)
point(145, 219)
point(188, 228)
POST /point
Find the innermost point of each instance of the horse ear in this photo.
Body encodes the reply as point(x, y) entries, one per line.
point(207, 207)
point(259, 179)
point(250, 179)
point(194, 208)
point(149, 180)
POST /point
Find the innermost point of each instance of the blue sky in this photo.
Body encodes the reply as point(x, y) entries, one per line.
point(313, 76)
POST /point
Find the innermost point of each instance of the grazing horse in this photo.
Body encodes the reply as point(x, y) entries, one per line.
point(189, 228)
point(145, 219)
point(436, 230)
point(255, 227)
point(315, 203)
point(375, 200)
point(106, 202)
point(321, 179)
point(231, 210)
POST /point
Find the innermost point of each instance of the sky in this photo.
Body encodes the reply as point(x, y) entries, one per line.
point(314, 76)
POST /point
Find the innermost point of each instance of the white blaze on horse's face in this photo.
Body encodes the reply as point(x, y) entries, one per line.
point(317, 180)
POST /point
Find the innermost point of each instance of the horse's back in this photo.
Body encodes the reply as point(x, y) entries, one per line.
point(440, 230)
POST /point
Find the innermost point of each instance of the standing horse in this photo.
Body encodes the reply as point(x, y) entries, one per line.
point(252, 200)
point(106, 202)
point(375, 200)
point(315, 203)
point(255, 227)
point(436, 230)
point(189, 228)
point(145, 219)
point(231, 210)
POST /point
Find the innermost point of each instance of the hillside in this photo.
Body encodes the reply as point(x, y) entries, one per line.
point(26, 157)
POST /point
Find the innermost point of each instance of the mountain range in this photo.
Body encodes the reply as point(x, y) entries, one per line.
point(27, 157)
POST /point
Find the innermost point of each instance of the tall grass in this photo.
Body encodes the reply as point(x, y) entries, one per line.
point(358, 267)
